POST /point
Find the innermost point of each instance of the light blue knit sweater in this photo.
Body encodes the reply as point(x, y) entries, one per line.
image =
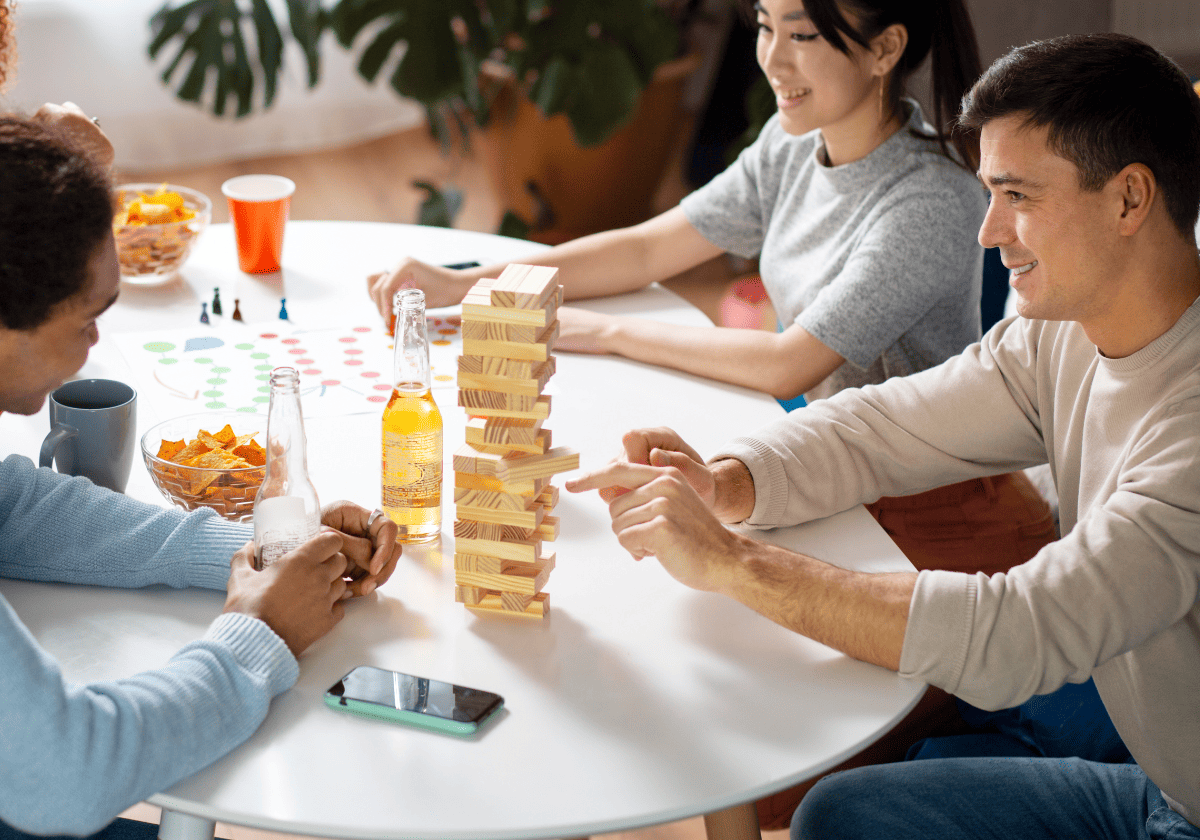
point(72, 757)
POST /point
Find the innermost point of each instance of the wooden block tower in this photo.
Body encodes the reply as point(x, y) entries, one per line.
point(502, 493)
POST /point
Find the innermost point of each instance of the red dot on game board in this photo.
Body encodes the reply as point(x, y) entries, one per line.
point(377, 399)
point(312, 372)
point(297, 351)
point(304, 361)
point(454, 321)
point(382, 387)
point(370, 374)
point(362, 329)
point(290, 341)
point(269, 335)
point(331, 382)
point(353, 351)
point(354, 361)
point(347, 339)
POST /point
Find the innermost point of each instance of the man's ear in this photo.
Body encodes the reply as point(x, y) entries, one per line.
point(1139, 193)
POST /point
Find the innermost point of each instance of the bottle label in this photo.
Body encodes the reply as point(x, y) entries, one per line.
point(407, 478)
point(280, 525)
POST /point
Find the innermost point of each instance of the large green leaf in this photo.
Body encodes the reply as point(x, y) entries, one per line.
point(307, 18)
point(439, 207)
point(609, 89)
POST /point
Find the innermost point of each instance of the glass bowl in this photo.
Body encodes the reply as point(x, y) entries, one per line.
point(152, 253)
point(228, 491)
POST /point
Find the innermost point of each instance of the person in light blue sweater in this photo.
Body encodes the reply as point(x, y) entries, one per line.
point(72, 757)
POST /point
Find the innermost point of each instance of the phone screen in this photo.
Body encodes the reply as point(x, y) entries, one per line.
point(420, 695)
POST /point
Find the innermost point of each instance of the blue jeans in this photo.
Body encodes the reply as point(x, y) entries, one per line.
point(1000, 798)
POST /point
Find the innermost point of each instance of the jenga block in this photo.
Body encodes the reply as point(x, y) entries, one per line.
point(477, 304)
point(538, 447)
point(525, 286)
point(502, 431)
point(525, 551)
point(515, 602)
point(475, 530)
point(468, 595)
point(479, 330)
point(548, 530)
point(499, 366)
point(535, 351)
point(538, 607)
point(548, 498)
point(498, 566)
point(492, 484)
point(529, 386)
point(493, 501)
point(529, 519)
point(560, 459)
point(540, 410)
point(475, 401)
point(523, 578)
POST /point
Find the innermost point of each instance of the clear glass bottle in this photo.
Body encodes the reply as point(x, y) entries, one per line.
point(412, 430)
point(286, 509)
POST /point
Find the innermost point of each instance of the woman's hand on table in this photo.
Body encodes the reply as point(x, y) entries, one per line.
point(368, 541)
point(80, 129)
point(583, 331)
point(442, 286)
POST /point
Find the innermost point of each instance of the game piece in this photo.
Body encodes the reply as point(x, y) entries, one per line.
point(216, 307)
point(501, 495)
point(283, 316)
point(237, 312)
point(203, 312)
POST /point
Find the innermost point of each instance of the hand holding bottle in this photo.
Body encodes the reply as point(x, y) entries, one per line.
point(299, 596)
point(368, 541)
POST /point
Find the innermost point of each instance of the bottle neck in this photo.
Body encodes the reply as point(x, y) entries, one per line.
point(287, 458)
point(410, 369)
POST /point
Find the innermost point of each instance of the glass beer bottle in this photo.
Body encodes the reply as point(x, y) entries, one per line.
point(412, 430)
point(286, 509)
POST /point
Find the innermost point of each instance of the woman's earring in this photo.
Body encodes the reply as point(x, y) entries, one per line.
point(881, 100)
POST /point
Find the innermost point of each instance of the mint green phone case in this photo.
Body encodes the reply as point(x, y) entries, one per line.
point(393, 715)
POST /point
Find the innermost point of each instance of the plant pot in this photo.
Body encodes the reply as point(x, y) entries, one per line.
point(541, 173)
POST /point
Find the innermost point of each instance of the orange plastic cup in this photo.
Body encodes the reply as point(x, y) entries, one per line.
point(258, 208)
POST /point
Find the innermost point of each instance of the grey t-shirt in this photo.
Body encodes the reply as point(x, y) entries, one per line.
point(877, 258)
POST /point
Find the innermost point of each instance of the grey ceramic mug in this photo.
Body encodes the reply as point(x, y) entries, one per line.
point(93, 431)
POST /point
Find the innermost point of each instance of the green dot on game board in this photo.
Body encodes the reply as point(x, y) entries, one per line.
point(248, 410)
point(244, 346)
point(264, 367)
point(263, 377)
point(260, 355)
point(221, 370)
point(262, 399)
point(167, 361)
point(202, 361)
point(159, 346)
point(214, 404)
point(216, 380)
point(266, 389)
point(214, 393)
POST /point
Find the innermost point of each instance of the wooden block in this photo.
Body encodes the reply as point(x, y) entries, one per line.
point(560, 459)
point(539, 446)
point(529, 386)
point(477, 304)
point(468, 459)
point(538, 607)
point(469, 497)
point(501, 431)
point(525, 551)
point(492, 484)
point(468, 595)
point(548, 530)
point(476, 530)
point(529, 519)
point(540, 410)
point(515, 602)
point(537, 351)
point(498, 366)
point(479, 330)
point(476, 401)
point(548, 498)
point(523, 578)
point(525, 286)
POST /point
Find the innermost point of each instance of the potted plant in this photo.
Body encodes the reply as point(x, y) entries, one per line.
point(579, 67)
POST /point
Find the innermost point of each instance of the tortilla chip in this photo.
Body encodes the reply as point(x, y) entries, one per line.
point(225, 436)
point(169, 448)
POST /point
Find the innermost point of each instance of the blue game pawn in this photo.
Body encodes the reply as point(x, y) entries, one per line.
point(216, 307)
point(283, 316)
point(203, 313)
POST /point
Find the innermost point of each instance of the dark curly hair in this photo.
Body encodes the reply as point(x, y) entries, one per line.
point(1106, 101)
point(55, 210)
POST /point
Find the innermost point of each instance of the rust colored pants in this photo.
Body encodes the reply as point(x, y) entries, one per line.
point(982, 525)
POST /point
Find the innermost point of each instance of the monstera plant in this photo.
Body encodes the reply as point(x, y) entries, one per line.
point(587, 59)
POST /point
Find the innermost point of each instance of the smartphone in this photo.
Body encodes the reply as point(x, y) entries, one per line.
point(462, 265)
point(414, 701)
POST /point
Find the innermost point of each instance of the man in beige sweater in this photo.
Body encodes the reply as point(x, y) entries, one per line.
point(1091, 156)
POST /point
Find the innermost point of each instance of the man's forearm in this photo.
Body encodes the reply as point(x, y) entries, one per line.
point(863, 615)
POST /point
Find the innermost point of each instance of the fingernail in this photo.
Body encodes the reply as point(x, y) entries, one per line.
point(368, 587)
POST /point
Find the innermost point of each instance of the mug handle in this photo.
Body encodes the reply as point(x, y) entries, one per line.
point(53, 440)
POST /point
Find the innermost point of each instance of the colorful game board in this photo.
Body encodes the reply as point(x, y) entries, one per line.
point(228, 366)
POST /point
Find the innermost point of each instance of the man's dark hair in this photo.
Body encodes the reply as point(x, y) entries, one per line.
point(55, 210)
point(1106, 101)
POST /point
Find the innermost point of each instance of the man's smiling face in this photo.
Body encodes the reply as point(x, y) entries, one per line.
point(1056, 239)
